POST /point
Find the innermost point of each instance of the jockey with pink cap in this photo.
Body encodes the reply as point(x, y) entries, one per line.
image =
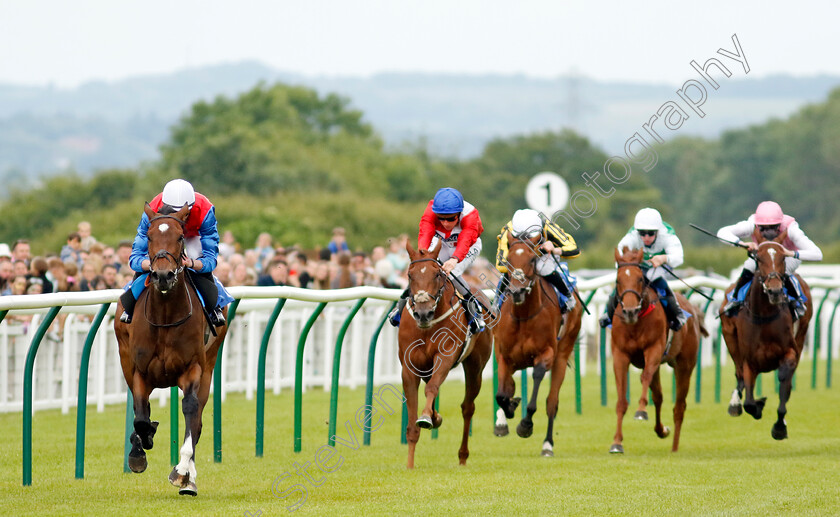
point(769, 222)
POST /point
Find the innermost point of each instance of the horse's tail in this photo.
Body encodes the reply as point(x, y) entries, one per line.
point(701, 320)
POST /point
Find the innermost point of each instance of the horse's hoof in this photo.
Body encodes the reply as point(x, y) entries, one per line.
point(179, 480)
point(753, 410)
point(524, 429)
point(437, 422)
point(616, 448)
point(735, 410)
point(424, 422)
point(665, 432)
point(137, 464)
point(501, 430)
point(190, 489)
point(547, 453)
point(641, 415)
point(779, 432)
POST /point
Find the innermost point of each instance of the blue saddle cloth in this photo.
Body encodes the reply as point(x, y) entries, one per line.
point(741, 295)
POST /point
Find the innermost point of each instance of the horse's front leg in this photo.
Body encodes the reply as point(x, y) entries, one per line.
point(426, 419)
point(620, 365)
point(735, 405)
point(526, 425)
point(752, 405)
point(183, 474)
point(144, 429)
point(410, 383)
point(653, 355)
point(507, 404)
point(656, 395)
point(786, 371)
point(558, 374)
point(472, 380)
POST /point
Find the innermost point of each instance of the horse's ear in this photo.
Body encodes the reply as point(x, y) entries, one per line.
point(183, 212)
point(435, 252)
point(617, 255)
point(781, 237)
point(410, 249)
point(149, 212)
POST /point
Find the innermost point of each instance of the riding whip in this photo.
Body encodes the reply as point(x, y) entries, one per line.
point(574, 290)
point(467, 289)
point(738, 244)
point(668, 269)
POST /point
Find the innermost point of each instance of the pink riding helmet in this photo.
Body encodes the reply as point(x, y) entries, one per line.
point(768, 212)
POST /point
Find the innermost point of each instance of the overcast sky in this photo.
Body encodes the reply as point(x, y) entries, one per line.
point(66, 43)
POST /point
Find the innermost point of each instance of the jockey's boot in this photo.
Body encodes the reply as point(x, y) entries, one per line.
point(797, 305)
point(394, 317)
point(474, 313)
point(128, 301)
point(217, 317)
point(556, 279)
point(606, 318)
point(499, 297)
point(732, 308)
point(676, 318)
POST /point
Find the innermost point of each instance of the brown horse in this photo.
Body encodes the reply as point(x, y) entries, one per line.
point(640, 337)
point(762, 337)
point(531, 332)
point(433, 338)
point(165, 346)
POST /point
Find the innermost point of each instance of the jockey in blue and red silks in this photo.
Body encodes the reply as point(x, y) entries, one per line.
point(768, 222)
point(201, 248)
point(456, 227)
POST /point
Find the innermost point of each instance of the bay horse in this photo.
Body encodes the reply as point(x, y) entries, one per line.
point(434, 337)
point(165, 346)
point(640, 337)
point(762, 336)
point(531, 332)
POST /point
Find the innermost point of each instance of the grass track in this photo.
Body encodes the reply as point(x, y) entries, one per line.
point(726, 466)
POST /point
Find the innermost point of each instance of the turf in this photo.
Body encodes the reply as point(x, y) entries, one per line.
point(725, 466)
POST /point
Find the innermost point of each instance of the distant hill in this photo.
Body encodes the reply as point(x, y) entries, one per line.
point(45, 130)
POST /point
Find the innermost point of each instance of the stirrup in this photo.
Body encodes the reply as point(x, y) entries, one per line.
point(477, 325)
point(677, 323)
point(218, 319)
point(394, 317)
point(125, 317)
point(732, 308)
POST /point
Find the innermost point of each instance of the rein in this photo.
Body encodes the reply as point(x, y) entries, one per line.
point(643, 298)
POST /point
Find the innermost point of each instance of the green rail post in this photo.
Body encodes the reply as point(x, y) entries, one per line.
point(817, 339)
point(217, 390)
point(299, 373)
point(830, 350)
point(27, 393)
point(129, 428)
point(716, 344)
point(272, 320)
point(339, 342)
point(174, 417)
point(436, 405)
point(495, 383)
point(369, 384)
point(602, 354)
point(404, 421)
point(81, 405)
point(524, 404)
point(698, 385)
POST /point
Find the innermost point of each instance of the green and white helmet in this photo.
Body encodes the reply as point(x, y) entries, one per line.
point(648, 219)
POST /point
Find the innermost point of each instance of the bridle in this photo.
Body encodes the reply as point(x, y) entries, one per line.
point(763, 279)
point(440, 275)
point(641, 295)
point(179, 268)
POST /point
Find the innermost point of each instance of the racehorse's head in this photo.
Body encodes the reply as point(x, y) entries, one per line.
point(166, 247)
point(629, 283)
point(770, 269)
point(426, 281)
point(522, 267)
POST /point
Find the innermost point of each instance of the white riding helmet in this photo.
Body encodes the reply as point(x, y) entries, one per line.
point(648, 219)
point(178, 193)
point(526, 221)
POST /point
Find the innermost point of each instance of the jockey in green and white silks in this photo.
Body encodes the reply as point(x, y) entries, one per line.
point(201, 248)
point(661, 246)
point(768, 222)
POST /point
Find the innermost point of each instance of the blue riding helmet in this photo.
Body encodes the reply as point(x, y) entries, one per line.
point(448, 201)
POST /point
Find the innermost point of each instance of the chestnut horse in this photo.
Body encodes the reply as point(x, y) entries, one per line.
point(762, 337)
point(640, 337)
point(165, 346)
point(434, 337)
point(531, 332)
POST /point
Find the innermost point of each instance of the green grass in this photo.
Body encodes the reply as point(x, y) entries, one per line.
point(725, 466)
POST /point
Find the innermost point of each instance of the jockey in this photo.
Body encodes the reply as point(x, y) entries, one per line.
point(454, 225)
point(661, 246)
point(767, 223)
point(201, 247)
point(528, 223)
